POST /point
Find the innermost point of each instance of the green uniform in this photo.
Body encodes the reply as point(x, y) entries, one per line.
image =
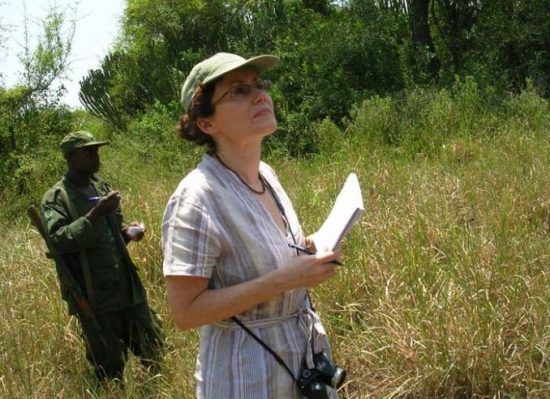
point(112, 285)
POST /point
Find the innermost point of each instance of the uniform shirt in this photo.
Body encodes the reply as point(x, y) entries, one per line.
point(115, 281)
point(214, 227)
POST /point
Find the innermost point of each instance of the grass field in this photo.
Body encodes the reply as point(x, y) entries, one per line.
point(445, 292)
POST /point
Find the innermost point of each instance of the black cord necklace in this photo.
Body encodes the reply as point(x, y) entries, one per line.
point(259, 192)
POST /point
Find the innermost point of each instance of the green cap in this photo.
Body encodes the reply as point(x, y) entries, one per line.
point(79, 139)
point(218, 65)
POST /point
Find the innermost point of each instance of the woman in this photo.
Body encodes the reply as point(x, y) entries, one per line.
point(226, 235)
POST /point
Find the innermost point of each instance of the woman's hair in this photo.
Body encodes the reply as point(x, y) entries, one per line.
point(201, 107)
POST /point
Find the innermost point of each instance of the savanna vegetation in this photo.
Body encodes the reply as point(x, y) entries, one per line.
point(439, 106)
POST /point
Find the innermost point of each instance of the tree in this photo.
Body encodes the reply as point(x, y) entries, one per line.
point(94, 93)
point(47, 63)
point(3, 29)
point(454, 20)
point(423, 46)
point(30, 113)
point(511, 44)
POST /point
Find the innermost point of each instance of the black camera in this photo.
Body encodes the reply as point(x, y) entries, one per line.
point(314, 382)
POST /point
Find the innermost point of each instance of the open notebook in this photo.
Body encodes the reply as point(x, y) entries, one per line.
point(346, 211)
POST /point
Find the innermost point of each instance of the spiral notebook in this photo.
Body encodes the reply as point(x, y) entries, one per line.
point(346, 211)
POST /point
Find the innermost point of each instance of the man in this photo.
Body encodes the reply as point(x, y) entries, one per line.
point(83, 222)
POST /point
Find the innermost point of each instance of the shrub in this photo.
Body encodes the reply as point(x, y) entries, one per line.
point(528, 110)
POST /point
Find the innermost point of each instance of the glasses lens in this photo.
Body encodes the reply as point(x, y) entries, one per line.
point(240, 90)
point(263, 84)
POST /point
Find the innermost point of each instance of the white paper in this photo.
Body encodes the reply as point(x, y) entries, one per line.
point(134, 230)
point(346, 211)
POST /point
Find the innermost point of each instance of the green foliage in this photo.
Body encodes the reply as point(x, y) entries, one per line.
point(94, 94)
point(445, 292)
point(372, 121)
point(47, 62)
point(333, 55)
point(30, 156)
point(156, 129)
point(445, 289)
point(421, 120)
point(324, 80)
point(529, 111)
point(330, 138)
point(31, 120)
point(510, 44)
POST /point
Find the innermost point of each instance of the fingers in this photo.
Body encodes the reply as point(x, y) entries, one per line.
point(327, 257)
point(112, 196)
point(109, 203)
point(310, 244)
point(321, 267)
point(135, 231)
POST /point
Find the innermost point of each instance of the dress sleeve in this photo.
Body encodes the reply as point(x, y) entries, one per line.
point(191, 242)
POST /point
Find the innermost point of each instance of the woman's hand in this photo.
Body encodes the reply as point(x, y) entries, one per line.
point(310, 244)
point(307, 271)
point(192, 304)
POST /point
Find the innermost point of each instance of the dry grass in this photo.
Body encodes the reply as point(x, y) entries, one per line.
point(444, 293)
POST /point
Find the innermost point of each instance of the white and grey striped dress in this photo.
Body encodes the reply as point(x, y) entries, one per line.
point(214, 227)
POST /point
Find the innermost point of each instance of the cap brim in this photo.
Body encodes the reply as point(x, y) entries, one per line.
point(260, 64)
point(94, 144)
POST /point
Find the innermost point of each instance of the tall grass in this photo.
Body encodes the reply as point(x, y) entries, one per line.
point(444, 292)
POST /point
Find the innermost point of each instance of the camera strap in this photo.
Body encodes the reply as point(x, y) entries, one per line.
point(240, 323)
point(265, 346)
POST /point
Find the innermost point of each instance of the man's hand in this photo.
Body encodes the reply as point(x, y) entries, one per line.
point(106, 205)
point(133, 232)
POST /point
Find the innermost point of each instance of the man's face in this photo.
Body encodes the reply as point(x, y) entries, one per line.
point(85, 160)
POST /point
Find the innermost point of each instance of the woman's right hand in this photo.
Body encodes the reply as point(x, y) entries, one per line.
point(193, 304)
point(307, 271)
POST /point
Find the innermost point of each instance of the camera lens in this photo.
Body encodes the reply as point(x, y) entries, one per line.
point(316, 387)
point(338, 378)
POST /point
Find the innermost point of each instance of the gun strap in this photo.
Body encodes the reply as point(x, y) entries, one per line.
point(84, 263)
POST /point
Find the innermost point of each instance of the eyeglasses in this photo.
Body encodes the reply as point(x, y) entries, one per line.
point(240, 91)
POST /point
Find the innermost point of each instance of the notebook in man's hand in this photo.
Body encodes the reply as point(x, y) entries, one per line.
point(346, 211)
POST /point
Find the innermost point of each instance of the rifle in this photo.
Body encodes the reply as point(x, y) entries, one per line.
point(66, 278)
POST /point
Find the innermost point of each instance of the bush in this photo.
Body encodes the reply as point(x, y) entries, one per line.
point(372, 121)
point(528, 110)
point(156, 127)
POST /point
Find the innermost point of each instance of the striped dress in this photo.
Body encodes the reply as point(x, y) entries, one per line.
point(214, 227)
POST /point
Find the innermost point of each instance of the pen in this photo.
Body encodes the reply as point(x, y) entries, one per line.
point(93, 199)
point(307, 251)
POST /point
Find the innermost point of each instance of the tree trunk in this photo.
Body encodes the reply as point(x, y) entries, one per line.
point(420, 27)
point(421, 36)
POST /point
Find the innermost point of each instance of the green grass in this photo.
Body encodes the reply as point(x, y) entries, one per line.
point(445, 289)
